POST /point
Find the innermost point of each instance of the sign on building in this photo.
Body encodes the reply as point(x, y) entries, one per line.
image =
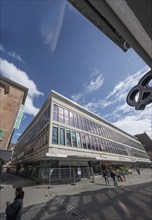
point(19, 117)
point(1, 134)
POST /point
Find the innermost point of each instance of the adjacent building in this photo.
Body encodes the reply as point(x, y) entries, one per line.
point(146, 142)
point(12, 99)
point(64, 134)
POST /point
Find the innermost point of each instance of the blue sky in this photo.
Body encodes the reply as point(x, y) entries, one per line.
point(49, 45)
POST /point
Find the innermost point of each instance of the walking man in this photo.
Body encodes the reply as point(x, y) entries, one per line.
point(113, 176)
point(105, 176)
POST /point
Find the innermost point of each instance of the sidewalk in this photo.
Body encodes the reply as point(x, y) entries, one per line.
point(63, 201)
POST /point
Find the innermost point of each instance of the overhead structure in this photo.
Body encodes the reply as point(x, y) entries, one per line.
point(127, 23)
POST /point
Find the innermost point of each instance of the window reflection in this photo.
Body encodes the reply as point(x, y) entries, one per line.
point(74, 143)
point(55, 135)
point(62, 136)
point(68, 138)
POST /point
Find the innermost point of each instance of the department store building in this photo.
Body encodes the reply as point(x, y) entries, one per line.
point(64, 134)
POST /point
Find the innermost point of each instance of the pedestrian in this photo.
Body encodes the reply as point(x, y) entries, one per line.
point(113, 176)
point(138, 171)
point(14, 210)
point(121, 175)
point(105, 175)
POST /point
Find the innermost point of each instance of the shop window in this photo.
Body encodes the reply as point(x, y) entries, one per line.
point(55, 135)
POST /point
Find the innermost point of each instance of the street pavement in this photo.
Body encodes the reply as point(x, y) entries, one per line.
point(86, 200)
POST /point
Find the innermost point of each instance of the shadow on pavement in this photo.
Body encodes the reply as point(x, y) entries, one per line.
point(127, 203)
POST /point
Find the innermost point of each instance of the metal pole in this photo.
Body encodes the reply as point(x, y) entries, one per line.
point(73, 177)
point(92, 175)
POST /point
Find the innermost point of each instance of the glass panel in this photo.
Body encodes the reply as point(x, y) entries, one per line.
point(83, 140)
point(74, 143)
point(66, 113)
point(78, 140)
point(56, 108)
point(87, 141)
point(61, 116)
point(80, 122)
point(71, 119)
point(66, 116)
point(62, 136)
point(55, 135)
point(91, 124)
point(55, 116)
point(90, 144)
point(48, 114)
point(76, 121)
point(68, 138)
point(93, 143)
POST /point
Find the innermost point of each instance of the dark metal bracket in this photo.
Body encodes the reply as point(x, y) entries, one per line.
point(141, 94)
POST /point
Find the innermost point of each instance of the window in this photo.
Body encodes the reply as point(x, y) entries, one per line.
point(71, 119)
point(83, 124)
point(66, 116)
point(48, 114)
point(61, 115)
point(55, 135)
point(76, 121)
point(62, 136)
point(87, 141)
point(74, 143)
point(78, 140)
point(55, 113)
point(68, 138)
point(90, 144)
point(93, 143)
point(83, 140)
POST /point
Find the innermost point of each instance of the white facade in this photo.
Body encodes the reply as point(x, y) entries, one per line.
point(69, 135)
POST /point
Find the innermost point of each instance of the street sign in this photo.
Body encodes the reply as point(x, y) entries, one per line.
point(1, 134)
point(19, 117)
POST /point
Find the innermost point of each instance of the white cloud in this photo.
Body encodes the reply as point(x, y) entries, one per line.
point(12, 54)
point(95, 83)
point(2, 48)
point(9, 70)
point(94, 106)
point(50, 32)
point(122, 88)
point(18, 134)
point(16, 56)
point(137, 122)
point(124, 116)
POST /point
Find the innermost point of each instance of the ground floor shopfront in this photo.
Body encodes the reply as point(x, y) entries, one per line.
point(61, 170)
